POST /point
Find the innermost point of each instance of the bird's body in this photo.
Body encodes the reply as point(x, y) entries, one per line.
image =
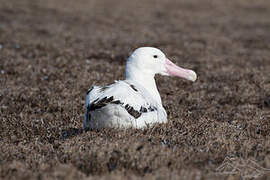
point(134, 102)
point(122, 104)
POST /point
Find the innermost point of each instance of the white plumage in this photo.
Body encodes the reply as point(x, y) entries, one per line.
point(134, 102)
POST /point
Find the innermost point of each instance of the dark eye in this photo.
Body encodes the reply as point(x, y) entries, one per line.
point(155, 56)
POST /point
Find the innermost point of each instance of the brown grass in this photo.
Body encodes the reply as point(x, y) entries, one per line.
point(53, 51)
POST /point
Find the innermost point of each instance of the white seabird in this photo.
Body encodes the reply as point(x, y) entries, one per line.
point(134, 102)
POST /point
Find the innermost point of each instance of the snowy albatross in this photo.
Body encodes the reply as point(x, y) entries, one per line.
point(134, 102)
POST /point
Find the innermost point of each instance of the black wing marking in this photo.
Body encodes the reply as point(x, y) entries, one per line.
point(152, 108)
point(101, 89)
point(149, 109)
point(143, 109)
point(104, 88)
point(99, 103)
point(89, 90)
point(136, 114)
point(132, 111)
point(132, 86)
point(117, 102)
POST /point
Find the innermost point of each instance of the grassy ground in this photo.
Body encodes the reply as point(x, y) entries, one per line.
point(51, 52)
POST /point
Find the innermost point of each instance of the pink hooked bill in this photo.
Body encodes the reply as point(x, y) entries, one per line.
point(175, 70)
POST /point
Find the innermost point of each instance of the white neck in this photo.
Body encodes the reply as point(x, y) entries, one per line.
point(146, 80)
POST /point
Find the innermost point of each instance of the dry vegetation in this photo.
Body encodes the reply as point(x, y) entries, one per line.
point(52, 51)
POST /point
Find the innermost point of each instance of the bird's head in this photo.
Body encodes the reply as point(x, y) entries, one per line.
point(151, 61)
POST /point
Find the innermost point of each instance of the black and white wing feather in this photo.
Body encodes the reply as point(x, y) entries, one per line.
point(119, 99)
